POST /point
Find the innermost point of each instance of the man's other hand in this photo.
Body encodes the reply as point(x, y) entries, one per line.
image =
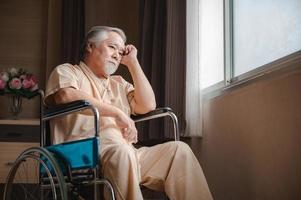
point(127, 127)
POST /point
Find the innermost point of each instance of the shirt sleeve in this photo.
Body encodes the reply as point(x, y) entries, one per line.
point(62, 76)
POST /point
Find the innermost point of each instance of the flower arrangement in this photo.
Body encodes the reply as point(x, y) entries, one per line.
point(19, 82)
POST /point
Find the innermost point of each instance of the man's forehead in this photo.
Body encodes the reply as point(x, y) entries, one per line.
point(115, 38)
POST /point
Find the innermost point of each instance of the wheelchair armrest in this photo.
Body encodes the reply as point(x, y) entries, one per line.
point(150, 115)
point(64, 109)
point(157, 113)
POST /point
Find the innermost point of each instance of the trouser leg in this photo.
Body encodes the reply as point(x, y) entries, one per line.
point(120, 166)
point(173, 167)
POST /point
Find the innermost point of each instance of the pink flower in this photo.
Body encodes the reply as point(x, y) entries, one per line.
point(4, 76)
point(33, 79)
point(26, 83)
point(15, 83)
point(18, 81)
point(29, 82)
point(2, 84)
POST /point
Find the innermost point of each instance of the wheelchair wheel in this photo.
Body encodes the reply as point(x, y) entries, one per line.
point(35, 175)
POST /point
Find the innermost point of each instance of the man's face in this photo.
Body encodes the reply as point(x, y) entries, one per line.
point(105, 56)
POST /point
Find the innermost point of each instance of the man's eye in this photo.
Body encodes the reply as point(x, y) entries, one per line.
point(111, 46)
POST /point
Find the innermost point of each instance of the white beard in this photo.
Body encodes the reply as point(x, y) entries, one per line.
point(109, 69)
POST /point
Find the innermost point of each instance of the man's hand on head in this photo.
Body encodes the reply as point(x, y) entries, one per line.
point(129, 57)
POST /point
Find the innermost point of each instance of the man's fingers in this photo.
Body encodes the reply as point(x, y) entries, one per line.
point(130, 134)
point(128, 49)
point(125, 132)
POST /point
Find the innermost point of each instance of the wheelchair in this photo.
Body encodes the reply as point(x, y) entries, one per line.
point(61, 171)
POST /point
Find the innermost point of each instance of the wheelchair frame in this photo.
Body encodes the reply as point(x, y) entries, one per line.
point(59, 183)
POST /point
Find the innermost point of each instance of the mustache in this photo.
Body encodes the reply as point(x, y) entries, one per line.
point(114, 63)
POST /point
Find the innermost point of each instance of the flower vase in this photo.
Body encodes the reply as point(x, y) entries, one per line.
point(15, 105)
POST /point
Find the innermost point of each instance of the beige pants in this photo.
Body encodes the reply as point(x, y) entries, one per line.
point(170, 167)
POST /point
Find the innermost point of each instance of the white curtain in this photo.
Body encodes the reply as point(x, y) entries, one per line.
point(193, 72)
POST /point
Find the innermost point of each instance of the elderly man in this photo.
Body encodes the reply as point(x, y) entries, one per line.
point(169, 167)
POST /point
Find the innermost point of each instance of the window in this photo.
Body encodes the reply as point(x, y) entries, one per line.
point(238, 36)
point(264, 31)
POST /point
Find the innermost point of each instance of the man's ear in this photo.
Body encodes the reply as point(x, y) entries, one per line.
point(89, 47)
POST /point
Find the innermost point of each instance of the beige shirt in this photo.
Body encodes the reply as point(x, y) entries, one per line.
point(113, 90)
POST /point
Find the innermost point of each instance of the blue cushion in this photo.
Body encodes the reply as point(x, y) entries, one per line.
point(80, 154)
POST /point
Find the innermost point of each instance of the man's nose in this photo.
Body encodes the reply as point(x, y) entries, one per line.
point(116, 55)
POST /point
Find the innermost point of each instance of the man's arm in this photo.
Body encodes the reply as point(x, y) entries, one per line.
point(66, 95)
point(125, 123)
point(144, 98)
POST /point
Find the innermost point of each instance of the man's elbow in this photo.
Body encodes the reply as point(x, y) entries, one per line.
point(152, 106)
point(149, 107)
point(63, 96)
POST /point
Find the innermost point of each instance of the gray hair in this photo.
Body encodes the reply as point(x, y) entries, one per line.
point(97, 34)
